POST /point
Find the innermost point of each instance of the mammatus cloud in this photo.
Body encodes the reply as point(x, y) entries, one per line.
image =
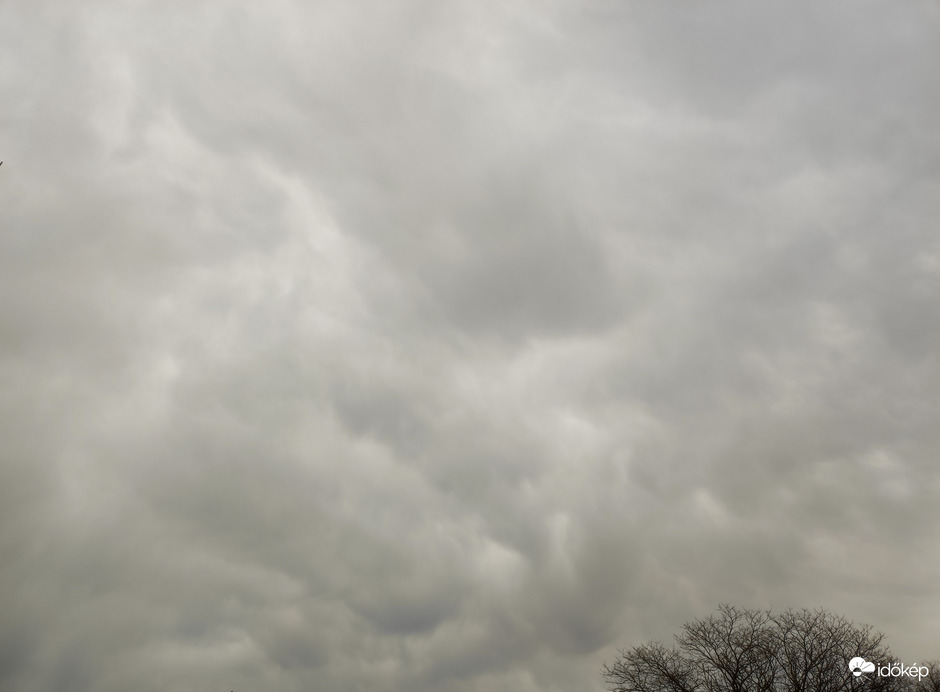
point(417, 347)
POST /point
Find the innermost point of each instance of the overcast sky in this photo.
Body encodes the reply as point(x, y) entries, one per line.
point(450, 346)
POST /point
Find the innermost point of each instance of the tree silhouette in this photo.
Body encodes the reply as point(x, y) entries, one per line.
point(745, 650)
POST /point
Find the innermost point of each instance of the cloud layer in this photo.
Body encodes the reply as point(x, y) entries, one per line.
point(452, 346)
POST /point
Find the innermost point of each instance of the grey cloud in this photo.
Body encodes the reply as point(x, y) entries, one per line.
point(446, 347)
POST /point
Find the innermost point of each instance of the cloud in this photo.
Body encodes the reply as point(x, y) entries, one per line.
point(445, 347)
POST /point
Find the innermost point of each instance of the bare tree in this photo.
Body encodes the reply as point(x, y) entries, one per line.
point(814, 648)
point(931, 683)
point(745, 650)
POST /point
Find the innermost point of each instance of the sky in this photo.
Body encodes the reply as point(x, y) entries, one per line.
point(412, 346)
